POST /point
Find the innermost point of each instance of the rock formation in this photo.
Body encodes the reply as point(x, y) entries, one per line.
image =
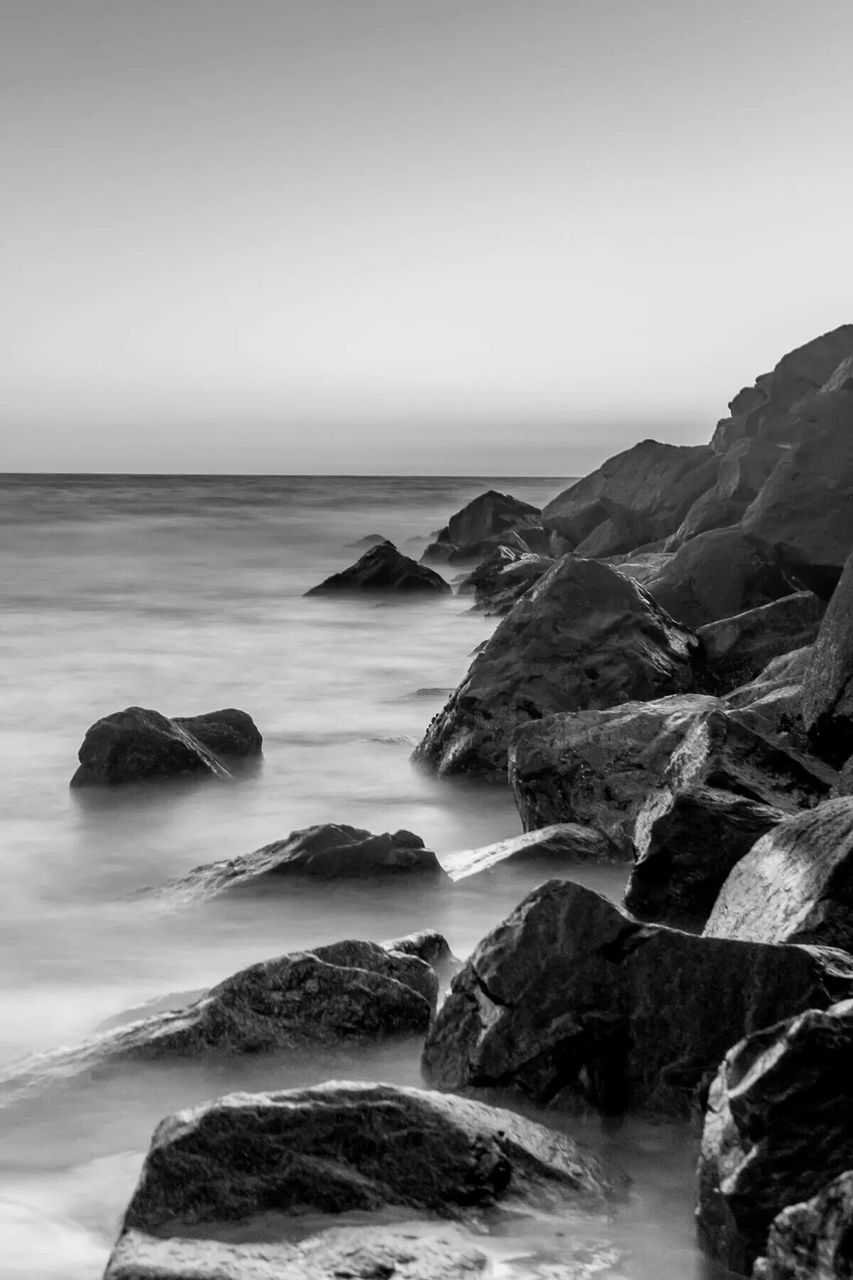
point(812, 1239)
point(480, 525)
point(828, 681)
point(737, 649)
point(715, 575)
point(384, 570)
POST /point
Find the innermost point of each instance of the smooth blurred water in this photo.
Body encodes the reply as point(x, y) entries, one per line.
point(186, 594)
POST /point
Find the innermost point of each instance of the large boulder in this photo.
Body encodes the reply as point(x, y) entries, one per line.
point(565, 844)
point(469, 533)
point(329, 851)
point(743, 470)
point(779, 1127)
point(645, 492)
point(828, 682)
point(384, 570)
point(585, 636)
point(343, 1147)
point(776, 695)
point(715, 575)
point(795, 884)
point(504, 578)
point(812, 1240)
point(737, 649)
point(573, 1002)
point(136, 745)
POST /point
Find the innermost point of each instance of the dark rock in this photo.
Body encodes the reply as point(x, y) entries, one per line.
point(716, 575)
point(136, 744)
point(776, 695)
point(812, 1240)
point(710, 511)
point(369, 540)
point(344, 1147)
point(844, 785)
point(573, 1002)
point(828, 682)
point(430, 946)
point(689, 851)
point(481, 526)
point(641, 566)
point(743, 470)
point(486, 548)
point(383, 569)
point(563, 844)
point(584, 636)
point(795, 885)
point(738, 649)
point(779, 1127)
point(504, 578)
point(616, 535)
point(648, 488)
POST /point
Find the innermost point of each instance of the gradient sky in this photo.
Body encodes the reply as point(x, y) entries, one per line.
point(437, 236)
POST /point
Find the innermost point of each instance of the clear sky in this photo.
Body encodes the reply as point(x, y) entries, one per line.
point(437, 236)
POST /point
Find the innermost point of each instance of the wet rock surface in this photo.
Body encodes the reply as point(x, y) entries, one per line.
point(504, 578)
point(716, 575)
point(384, 570)
point(812, 1239)
point(828, 680)
point(737, 649)
point(479, 526)
point(562, 844)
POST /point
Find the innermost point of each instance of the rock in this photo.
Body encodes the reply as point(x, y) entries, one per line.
point(709, 511)
point(828, 681)
point(795, 885)
point(430, 946)
point(738, 649)
point(383, 569)
point(716, 575)
point(689, 851)
point(356, 1253)
point(584, 636)
point(329, 851)
point(504, 578)
point(743, 470)
point(641, 566)
point(563, 843)
point(647, 489)
point(779, 1127)
point(486, 548)
point(369, 540)
point(481, 525)
point(344, 1147)
point(616, 535)
point(844, 785)
point(572, 1002)
point(136, 744)
point(812, 1240)
point(803, 516)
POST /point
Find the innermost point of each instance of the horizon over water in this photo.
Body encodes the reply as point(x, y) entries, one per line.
point(185, 593)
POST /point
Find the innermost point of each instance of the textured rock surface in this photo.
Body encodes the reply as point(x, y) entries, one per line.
point(689, 851)
point(812, 1240)
point(570, 1000)
point(562, 844)
point(584, 636)
point(779, 1126)
point(776, 695)
point(467, 534)
point(795, 885)
point(344, 1146)
point(743, 470)
point(136, 744)
point(384, 569)
point(504, 578)
point(715, 575)
point(738, 649)
point(828, 681)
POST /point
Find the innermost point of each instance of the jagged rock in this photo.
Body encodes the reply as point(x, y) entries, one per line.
point(709, 511)
point(828, 681)
point(504, 578)
point(383, 569)
point(812, 1240)
point(716, 575)
point(563, 843)
point(648, 488)
point(779, 1126)
point(776, 696)
point(642, 566)
point(738, 649)
point(136, 744)
point(482, 524)
point(584, 636)
point(795, 885)
point(572, 1002)
point(356, 1253)
point(743, 470)
point(343, 1146)
point(617, 535)
point(329, 851)
point(689, 851)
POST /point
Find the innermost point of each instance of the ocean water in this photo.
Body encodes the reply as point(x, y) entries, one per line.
point(186, 594)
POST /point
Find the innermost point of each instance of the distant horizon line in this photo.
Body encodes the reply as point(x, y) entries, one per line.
point(281, 475)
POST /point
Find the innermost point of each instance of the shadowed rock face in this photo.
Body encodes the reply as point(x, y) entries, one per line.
point(137, 744)
point(776, 695)
point(795, 885)
point(828, 682)
point(737, 649)
point(812, 1239)
point(482, 524)
point(570, 1000)
point(504, 578)
point(779, 1127)
point(743, 470)
point(584, 636)
point(344, 1146)
point(383, 570)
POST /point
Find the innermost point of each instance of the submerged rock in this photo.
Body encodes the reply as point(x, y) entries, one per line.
point(812, 1240)
point(382, 570)
point(584, 636)
point(571, 1001)
point(715, 575)
point(737, 649)
point(137, 744)
point(430, 946)
point(563, 844)
point(828, 681)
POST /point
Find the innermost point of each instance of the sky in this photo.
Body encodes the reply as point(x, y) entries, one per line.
point(393, 236)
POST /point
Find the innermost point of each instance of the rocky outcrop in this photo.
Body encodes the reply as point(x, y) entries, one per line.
point(585, 636)
point(475, 530)
point(384, 570)
point(743, 470)
point(137, 745)
point(330, 851)
point(795, 885)
point(572, 1002)
point(738, 649)
point(639, 496)
point(779, 1127)
point(564, 844)
point(828, 681)
point(504, 578)
point(344, 1147)
point(716, 575)
point(775, 695)
point(812, 1240)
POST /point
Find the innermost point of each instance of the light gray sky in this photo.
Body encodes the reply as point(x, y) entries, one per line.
point(440, 236)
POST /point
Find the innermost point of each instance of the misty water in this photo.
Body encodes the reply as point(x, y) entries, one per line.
point(186, 595)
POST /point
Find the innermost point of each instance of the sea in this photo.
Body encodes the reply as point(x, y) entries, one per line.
point(187, 594)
